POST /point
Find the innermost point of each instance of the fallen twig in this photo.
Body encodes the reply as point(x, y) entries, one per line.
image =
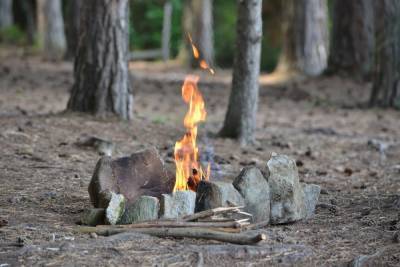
point(182, 224)
point(189, 232)
point(211, 212)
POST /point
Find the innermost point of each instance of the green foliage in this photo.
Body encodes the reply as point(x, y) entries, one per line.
point(12, 35)
point(146, 19)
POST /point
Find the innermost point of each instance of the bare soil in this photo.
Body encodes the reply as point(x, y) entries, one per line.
point(319, 122)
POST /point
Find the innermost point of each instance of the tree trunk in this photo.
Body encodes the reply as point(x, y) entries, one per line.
point(198, 22)
point(6, 14)
point(240, 120)
point(101, 65)
point(72, 27)
point(166, 30)
point(51, 29)
point(28, 9)
point(305, 37)
point(386, 84)
point(352, 45)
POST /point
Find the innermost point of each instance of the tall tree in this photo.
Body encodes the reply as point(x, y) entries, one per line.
point(6, 15)
point(198, 22)
point(51, 28)
point(305, 37)
point(386, 83)
point(28, 9)
point(240, 120)
point(352, 43)
point(101, 65)
point(72, 27)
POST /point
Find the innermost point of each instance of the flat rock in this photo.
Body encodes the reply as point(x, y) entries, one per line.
point(254, 188)
point(177, 204)
point(93, 217)
point(311, 195)
point(145, 208)
point(115, 209)
point(217, 194)
point(143, 173)
point(287, 196)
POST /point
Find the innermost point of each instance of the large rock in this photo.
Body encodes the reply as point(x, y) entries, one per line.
point(177, 204)
point(115, 209)
point(254, 188)
point(143, 173)
point(287, 197)
point(145, 208)
point(311, 195)
point(217, 194)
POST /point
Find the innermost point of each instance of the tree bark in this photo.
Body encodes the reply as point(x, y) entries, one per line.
point(198, 22)
point(240, 120)
point(352, 45)
point(72, 27)
point(305, 37)
point(101, 66)
point(386, 83)
point(28, 9)
point(51, 29)
point(6, 14)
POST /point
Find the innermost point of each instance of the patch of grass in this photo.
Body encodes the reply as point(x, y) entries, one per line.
point(12, 35)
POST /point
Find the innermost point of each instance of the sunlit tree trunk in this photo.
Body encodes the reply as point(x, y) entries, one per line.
point(386, 83)
point(51, 29)
point(198, 22)
point(101, 70)
point(72, 27)
point(305, 37)
point(240, 120)
point(352, 42)
point(6, 15)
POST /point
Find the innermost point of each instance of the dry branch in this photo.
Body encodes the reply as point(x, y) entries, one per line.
point(189, 232)
point(180, 224)
point(211, 212)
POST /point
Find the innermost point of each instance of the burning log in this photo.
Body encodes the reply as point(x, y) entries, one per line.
point(189, 232)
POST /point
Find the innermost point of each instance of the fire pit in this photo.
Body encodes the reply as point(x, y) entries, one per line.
point(139, 191)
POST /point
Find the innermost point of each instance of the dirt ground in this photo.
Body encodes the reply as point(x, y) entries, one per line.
point(319, 122)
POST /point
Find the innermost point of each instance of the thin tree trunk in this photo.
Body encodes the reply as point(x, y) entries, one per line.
point(240, 120)
point(386, 84)
point(352, 44)
point(28, 9)
point(166, 30)
point(198, 22)
point(6, 14)
point(72, 27)
point(305, 34)
point(101, 65)
point(51, 29)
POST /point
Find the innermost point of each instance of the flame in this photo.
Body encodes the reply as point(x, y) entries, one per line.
point(189, 172)
point(188, 169)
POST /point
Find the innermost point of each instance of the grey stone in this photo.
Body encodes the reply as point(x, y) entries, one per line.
point(311, 195)
point(142, 173)
point(145, 208)
point(93, 217)
point(287, 196)
point(177, 204)
point(217, 194)
point(254, 188)
point(115, 209)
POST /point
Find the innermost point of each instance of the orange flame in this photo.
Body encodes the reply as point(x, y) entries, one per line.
point(188, 169)
point(186, 150)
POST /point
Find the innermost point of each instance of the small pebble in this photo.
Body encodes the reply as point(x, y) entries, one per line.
point(93, 235)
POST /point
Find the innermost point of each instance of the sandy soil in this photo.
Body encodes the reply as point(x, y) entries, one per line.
point(320, 122)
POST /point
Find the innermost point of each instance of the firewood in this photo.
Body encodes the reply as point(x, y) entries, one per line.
point(211, 212)
point(189, 232)
point(181, 224)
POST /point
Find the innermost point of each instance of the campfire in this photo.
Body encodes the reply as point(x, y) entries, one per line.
point(138, 193)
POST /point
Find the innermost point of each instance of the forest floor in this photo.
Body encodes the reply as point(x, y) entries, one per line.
point(319, 122)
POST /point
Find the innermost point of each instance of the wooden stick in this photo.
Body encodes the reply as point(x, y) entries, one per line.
point(211, 212)
point(180, 224)
point(189, 232)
